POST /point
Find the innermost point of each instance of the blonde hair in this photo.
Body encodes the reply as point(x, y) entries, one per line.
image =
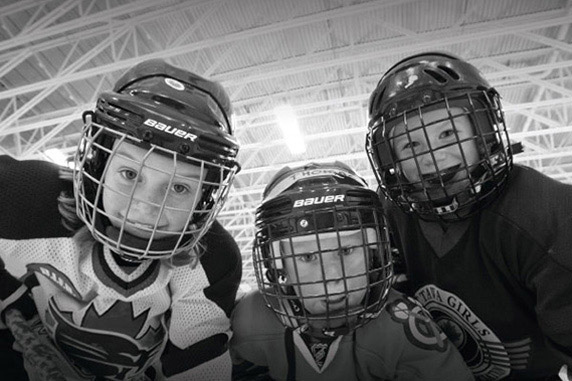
point(67, 204)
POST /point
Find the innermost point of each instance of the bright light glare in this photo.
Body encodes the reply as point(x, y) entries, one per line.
point(288, 122)
point(245, 287)
point(56, 156)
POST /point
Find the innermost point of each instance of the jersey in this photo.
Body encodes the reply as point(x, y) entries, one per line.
point(113, 319)
point(501, 291)
point(402, 343)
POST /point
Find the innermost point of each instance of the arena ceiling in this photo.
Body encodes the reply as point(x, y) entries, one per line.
point(322, 57)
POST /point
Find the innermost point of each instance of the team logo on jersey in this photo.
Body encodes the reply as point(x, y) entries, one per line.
point(487, 357)
point(319, 351)
point(110, 344)
point(417, 324)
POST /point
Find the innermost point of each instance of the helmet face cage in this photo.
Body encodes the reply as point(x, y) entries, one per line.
point(166, 124)
point(407, 116)
point(211, 182)
point(323, 265)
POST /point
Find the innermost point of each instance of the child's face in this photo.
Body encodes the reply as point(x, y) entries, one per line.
point(440, 138)
point(153, 187)
point(312, 277)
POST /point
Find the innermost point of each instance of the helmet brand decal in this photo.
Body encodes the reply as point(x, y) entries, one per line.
point(174, 84)
point(170, 130)
point(319, 200)
point(309, 173)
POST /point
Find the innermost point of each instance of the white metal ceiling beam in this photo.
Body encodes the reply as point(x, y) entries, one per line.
point(39, 26)
point(101, 29)
point(482, 30)
point(27, 39)
point(76, 64)
point(18, 6)
point(399, 45)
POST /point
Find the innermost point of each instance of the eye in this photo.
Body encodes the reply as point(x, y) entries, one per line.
point(310, 257)
point(410, 145)
point(128, 174)
point(345, 251)
point(447, 133)
point(181, 188)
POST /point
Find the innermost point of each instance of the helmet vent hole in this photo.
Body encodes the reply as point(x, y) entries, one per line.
point(452, 73)
point(437, 76)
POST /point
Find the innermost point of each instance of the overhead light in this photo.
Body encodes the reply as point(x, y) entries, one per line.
point(288, 123)
point(56, 156)
point(245, 287)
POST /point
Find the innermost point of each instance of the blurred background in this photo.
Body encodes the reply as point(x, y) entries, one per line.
point(319, 59)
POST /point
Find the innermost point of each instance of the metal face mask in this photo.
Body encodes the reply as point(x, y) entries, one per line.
point(148, 202)
point(155, 162)
point(321, 250)
point(437, 140)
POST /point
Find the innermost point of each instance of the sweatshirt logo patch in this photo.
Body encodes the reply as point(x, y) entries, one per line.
point(487, 357)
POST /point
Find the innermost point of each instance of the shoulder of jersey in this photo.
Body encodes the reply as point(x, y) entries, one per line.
point(252, 315)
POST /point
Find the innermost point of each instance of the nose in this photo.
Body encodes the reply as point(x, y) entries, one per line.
point(145, 203)
point(429, 160)
point(333, 269)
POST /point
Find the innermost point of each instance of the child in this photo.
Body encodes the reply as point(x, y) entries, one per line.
point(325, 309)
point(486, 243)
point(145, 288)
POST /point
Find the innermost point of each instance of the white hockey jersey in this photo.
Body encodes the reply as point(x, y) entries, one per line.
point(122, 321)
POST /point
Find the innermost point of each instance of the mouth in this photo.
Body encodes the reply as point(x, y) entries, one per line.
point(335, 302)
point(446, 175)
point(143, 226)
point(140, 226)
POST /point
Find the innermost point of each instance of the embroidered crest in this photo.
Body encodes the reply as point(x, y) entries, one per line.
point(419, 328)
point(319, 351)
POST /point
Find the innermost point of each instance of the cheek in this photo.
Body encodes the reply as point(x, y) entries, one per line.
point(357, 273)
point(177, 219)
point(409, 169)
point(112, 201)
point(300, 274)
point(471, 152)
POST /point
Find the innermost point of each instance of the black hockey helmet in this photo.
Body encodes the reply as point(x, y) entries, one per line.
point(171, 112)
point(307, 203)
point(409, 90)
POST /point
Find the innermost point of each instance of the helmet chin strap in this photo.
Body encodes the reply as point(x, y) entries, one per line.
point(448, 205)
point(130, 240)
point(127, 239)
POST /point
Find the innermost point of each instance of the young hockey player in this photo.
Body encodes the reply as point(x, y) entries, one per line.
point(324, 309)
point(145, 287)
point(486, 243)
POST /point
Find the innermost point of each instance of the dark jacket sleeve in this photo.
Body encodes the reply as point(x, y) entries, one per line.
point(223, 266)
point(29, 191)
